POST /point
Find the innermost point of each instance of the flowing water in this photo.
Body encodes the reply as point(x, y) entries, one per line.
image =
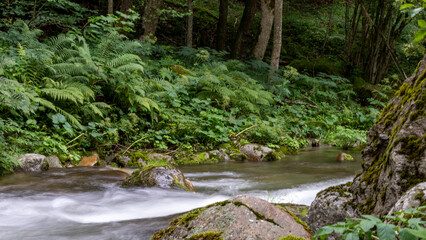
point(88, 203)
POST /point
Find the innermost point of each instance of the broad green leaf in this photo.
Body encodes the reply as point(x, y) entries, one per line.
point(419, 232)
point(420, 35)
point(404, 234)
point(386, 231)
point(405, 6)
point(422, 23)
point(352, 236)
point(366, 225)
point(372, 218)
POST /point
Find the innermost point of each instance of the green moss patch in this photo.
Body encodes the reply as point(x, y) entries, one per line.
point(207, 236)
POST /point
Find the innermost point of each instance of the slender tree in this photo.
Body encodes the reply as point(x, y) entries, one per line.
point(125, 6)
point(246, 22)
point(278, 28)
point(110, 6)
point(222, 25)
point(372, 30)
point(150, 18)
point(266, 21)
point(189, 24)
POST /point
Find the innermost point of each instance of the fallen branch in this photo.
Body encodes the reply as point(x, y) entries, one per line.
point(246, 129)
point(300, 103)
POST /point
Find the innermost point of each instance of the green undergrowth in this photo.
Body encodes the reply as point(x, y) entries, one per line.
point(98, 89)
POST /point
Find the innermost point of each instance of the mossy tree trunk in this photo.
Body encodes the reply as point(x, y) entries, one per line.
point(189, 24)
point(222, 25)
point(246, 22)
point(150, 18)
point(266, 21)
point(278, 29)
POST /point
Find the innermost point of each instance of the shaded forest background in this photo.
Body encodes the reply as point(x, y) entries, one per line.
point(188, 76)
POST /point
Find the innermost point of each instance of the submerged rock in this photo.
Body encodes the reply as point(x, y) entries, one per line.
point(32, 162)
point(89, 161)
point(159, 176)
point(242, 217)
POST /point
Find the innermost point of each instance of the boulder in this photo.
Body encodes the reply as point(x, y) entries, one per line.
point(413, 198)
point(160, 157)
point(394, 160)
point(53, 162)
point(221, 154)
point(258, 153)
point(330, 206)
point(32, 162)
point(242, 217)
point(159, 176)
point(89, 161)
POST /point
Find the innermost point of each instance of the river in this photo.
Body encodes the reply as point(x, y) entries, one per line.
point(88, 203)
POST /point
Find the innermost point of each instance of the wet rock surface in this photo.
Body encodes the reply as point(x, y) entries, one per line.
point(242, 217)
point(167, 177)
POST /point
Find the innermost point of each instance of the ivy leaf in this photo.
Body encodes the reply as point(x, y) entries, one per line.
point(420, 35)
point(420, 232)
point(386, 231)
point(372, 218)
point(422, 23)
point(405, 6)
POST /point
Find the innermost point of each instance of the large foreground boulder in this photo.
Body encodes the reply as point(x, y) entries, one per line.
point(159, 176)
point(242, 217)
point(394, 160)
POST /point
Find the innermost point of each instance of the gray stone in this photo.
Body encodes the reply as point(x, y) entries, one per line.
point(162, 176)
point(255, 152)
point(242, 217)
point(160, 157)
point(53, 162)
point(330, 206)
point(411, 199)
point(221, 154)
point(31, 162)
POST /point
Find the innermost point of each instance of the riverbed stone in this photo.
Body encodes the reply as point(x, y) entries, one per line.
point(258, 153)
point(413, 198)
point(53, 162)
point(168, 177)
point(32, 162)
point(89, 161)
point(160, 157)
point(330, 206)
point(242, 217)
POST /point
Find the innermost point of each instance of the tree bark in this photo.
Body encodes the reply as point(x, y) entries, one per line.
point(327, 32)
point(266, 21)
point(110, 6)
point(222, 25)
point(246, 22)
point(150, 18)
point(278, 28)
point(189, 25)
point(125, 6)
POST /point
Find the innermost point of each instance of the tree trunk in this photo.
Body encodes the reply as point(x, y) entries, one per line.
point(278, 28)
point(150, 18)
point(327, 32)
point(110, 6)
point(189, 25)
point(246, 22)
point(125, 6)
point(371, 34)
point(267, 10)
point(222, 25)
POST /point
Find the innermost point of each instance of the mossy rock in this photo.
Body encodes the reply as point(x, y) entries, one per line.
point(167, 177)
point(197, 159)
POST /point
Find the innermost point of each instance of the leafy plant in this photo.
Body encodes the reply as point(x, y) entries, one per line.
point(407, 225)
